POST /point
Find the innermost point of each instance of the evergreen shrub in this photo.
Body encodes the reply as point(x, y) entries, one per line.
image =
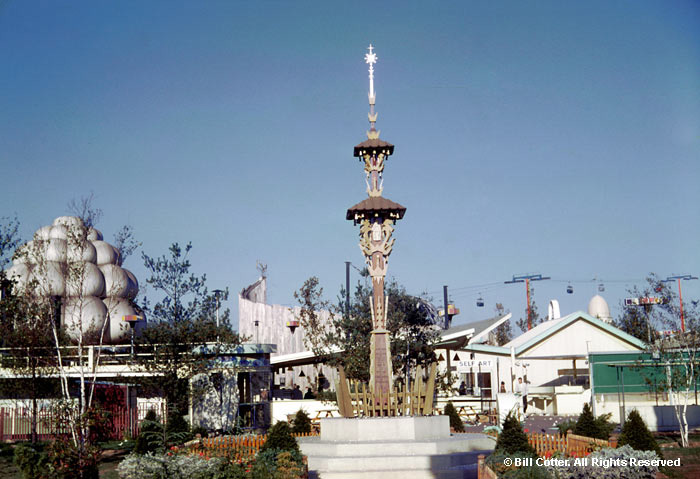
point(302, 423)
point(455, 421)
point(636, 434)
point(280, 437)
point(596, 427)
point(513, 439)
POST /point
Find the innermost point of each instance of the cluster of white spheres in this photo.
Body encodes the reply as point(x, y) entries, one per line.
point(70, 261)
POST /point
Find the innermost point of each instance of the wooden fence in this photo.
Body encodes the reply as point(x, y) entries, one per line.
point(484, 471)
point(569, 444)
point(547, 444)
point(235, 447)
point(356, 399)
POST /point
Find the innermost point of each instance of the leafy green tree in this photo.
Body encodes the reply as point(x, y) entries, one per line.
point(643, 322)
point(676, 353)
point(513, 439)
point(182, 334)
point(9, 239)
point(412, 330)
point(25, 329)
point(636, 433)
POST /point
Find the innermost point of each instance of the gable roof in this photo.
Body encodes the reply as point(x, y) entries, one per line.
point(458, 336)
point(547, 329)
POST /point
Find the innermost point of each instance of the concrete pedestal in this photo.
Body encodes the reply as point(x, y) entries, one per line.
point(393, 447)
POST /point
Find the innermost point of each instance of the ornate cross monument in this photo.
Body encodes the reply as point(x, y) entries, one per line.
point(376, 216)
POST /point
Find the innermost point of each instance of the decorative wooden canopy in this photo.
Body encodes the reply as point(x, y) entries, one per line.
point(375, 206)
point(373, 147)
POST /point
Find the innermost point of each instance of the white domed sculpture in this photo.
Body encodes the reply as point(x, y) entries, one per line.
point(86, 313)
point(50, 277)
point(116, 280)
point(85, 271)
point(84, 251)
point(86, 279)
point(19, 273)
point(56, 250)
point(106, 253)
point(598, 308)
point(94, 234)
point(118, 329)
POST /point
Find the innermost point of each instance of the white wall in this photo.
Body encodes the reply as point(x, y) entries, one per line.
point(281, 409)
point(272, 329)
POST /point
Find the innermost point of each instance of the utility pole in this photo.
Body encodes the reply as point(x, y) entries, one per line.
point(678, 278)
point(217, 293)
point(447, 316)
point(347, 289)
point(526, 278)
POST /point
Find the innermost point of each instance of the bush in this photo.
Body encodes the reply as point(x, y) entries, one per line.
point(568, 425)
point(150, 435)
point(277, 464)
point(31, 461)
point(66, 462)
point(302, 423)
point(288, 467)
point(513, 439)
point(585, 426)
point(589, 426)
point(269, 464)
point(153, 436)
point(614, 469)
point(149, 466)
point(280, 437)
point(177, 423)
point(455, 421)
point(636, 434)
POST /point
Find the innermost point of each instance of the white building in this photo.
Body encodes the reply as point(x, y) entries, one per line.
point(293, 364)
point(552, 358)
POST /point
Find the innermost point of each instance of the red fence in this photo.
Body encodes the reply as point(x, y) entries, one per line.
point(16, 423)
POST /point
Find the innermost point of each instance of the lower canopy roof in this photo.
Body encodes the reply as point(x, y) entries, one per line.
point(375, 206)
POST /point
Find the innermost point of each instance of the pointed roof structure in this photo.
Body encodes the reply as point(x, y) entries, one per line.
point(547, 329)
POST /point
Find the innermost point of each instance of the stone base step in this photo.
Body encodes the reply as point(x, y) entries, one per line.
point(390, 463)
point(315, 446)
point(467, 472)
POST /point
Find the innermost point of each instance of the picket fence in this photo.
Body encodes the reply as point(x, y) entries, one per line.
point(16, 423)
point(546, 445)
point(235, 447)
point(569, 444)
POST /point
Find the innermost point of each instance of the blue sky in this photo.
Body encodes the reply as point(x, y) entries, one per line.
point(553, 137)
